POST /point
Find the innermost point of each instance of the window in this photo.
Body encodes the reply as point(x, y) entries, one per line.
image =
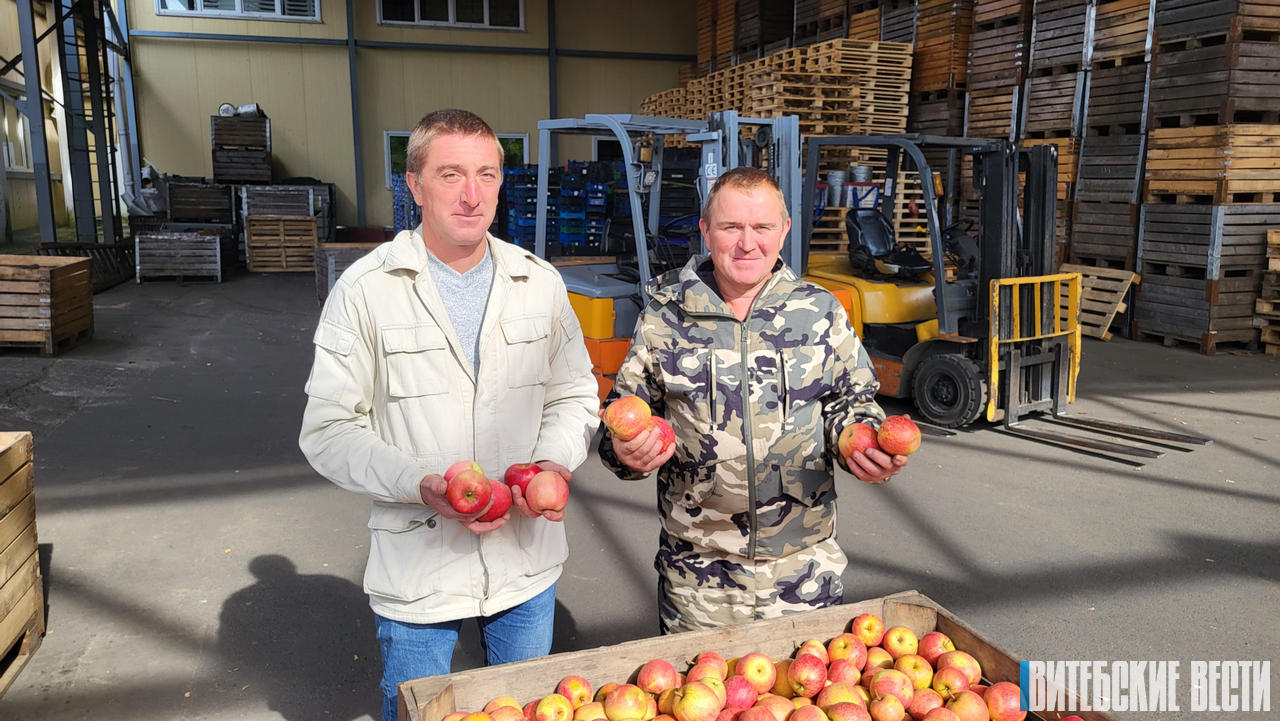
point(395, 146)
point(15, 138)
point(504, 14)
point(295, 10)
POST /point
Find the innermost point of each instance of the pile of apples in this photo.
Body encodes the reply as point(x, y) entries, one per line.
point(470, 491)
point(867, 674)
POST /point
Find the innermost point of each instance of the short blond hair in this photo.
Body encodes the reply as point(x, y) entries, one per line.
point(451, 121)
point(744, 178)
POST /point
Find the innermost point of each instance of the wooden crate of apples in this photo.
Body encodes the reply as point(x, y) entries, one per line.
point(897, 658)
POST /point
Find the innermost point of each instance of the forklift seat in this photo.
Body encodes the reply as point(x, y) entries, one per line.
point(873, 247)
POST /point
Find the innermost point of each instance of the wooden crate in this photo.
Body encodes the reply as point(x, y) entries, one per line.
point(1057, 39)
point(1115, 99)
point(232, 165)
point(991, 112)
point(429, 699)
point(311, 199)
point(21, 589)
point(1219, 164)
point(183, 255)
point(898, 21)
point(997, 56)
point(1105, 231)
point(333, 258)
point(191, 202)
point(1110, 169)
point(251, 132)
point(942, 44)
point(1121, 30)
point(1051, 104)
point(111, 264)
point(1217, 77)
point(45, 302)
point(281, 244)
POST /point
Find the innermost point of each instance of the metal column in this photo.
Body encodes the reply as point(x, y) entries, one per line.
point(33, 107)
point(77, 146)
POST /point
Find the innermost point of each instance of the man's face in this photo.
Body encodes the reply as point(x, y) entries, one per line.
point(457, 188)
point(744, 230)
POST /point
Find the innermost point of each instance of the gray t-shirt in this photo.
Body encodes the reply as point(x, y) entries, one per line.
point(465, 297)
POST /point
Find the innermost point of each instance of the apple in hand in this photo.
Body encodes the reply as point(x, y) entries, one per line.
point(857, 437)
point(627, 417)
point(899, 436)
point(519, 474)
point(501, 502)
point(468, 491)
point(547, 491)
point(461, 466)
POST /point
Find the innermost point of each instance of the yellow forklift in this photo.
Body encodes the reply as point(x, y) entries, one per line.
point(984, 327)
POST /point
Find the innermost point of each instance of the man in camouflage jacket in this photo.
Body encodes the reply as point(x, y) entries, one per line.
point(757, 371)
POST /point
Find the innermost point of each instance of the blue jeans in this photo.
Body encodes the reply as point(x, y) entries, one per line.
point(415, 650)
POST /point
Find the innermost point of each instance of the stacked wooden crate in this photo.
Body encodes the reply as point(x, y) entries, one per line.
point(818, 20)
point(864, 20)
point(241, 148)
point(21, 585)
point(706, 23)
point(1268, 304)
point(207, 253)
point(761, 25)
point(939, 65)
point(1055, 71)
point(45, 302)
point(1212, 187)
point(726, 28)
point(898, 21)
point(997, 59)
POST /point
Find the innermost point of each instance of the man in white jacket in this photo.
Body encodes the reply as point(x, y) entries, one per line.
point(445, 345)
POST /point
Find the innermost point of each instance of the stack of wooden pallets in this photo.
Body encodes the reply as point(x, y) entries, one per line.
point(281, 243)
point(1268, 303)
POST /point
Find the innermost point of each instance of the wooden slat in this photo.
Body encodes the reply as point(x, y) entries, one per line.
point(15, 451)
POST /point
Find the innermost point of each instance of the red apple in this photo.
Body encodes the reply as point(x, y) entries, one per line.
point(575, 688)
point(892, 682)
point(943, 713)
point(848, 645)
point(760, 713)
point(695, 702)
point(963, 661)
point(899, 436)
point(501, 502)
point(857, 437)
point(979, 689)
point(777, 706)
point(814, 647)
point(627, 417)
point(849, 712)
point(807, 675)
point(716, 684)
point(703, 670)
point(759, 670)
point(715, 659)
point(842, 670)
point(627, 701)
point(468, 491)
point(877, 657)
point(665, 432)
point(1002, 702)
point(728, 714)
point(461, 466)
point(949, 681)
point(547, 492)
point(531, 708)
point(657, 676)
point(924, 701)
point(499, 701)
point(969, 706)
point(506, 713)
point(553, 707)
point(802, 701)
point(916, 668)
point(520, 474)
point(454, 716)
point(869, 628)
point(808, 712)
point(887, 708)
point(477, 716)
point(900, 641)
point(838, 693)
point(934, 644)
point(590, 711)
point(603, 692)
point(739, 693)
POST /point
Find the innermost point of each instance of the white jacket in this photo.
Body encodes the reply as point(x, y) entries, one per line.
point(392, 398)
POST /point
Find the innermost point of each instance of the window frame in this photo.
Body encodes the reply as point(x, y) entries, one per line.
point(23, 142)
point(241, 14)
point(524, 140)
point(453, 24)
point(387, 135)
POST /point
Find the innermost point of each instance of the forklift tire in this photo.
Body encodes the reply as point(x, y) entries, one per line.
point(949, 390)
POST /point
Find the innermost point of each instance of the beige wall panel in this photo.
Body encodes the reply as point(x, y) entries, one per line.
point(534, 34)
point(398, 87)
point(142, 16)
point(594, 85)
point(303, 89)
point(20, 194)
point(637, 26)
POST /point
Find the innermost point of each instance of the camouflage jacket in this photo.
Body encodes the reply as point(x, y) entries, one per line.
point(757, 406)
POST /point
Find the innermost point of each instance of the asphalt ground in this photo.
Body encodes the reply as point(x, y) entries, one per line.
point(197, 568)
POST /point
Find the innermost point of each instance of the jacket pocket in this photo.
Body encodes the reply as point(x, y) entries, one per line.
point(406, 552)
point(810, 486)
point(528, 350)
point(688, 387)
point(690, 487)
point(418, 357)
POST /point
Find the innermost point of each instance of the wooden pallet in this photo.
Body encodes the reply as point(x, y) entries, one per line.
point(1273, 250)
point(1103, 293)
point(281, 244)
point(21, 589)
point(182, 255)
point(1225, 164)
point(45, 302)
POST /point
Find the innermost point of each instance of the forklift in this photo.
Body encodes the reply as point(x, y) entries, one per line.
point(984, 327)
